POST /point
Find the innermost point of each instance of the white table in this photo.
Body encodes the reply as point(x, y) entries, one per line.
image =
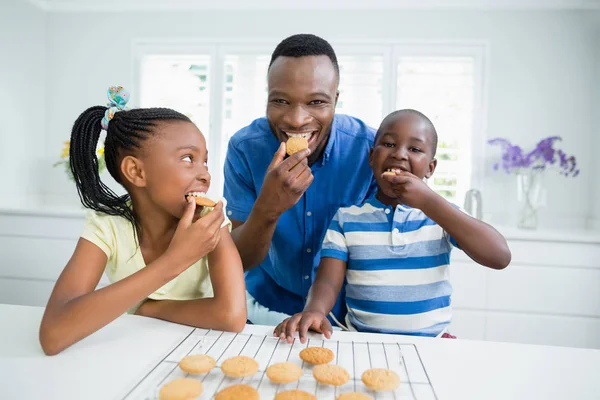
point(105, 365)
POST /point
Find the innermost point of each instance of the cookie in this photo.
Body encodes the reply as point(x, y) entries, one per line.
point(390, 173)
point(331, 374)
point(295, 144)
point(381, 379)
point(316, 355)
point(204, 201)
point(237, 392)
point(286, 372)
point(181, 389)
point(197, 364)
point(354, 396)
point(294, 395)
point(239, 367)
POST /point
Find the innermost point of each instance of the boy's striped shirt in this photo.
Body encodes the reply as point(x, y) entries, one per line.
point(397, 268)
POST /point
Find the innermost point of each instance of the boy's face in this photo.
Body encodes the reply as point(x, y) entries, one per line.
point(406, 144)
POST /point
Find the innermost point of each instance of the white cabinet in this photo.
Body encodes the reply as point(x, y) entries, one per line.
point(550, 294)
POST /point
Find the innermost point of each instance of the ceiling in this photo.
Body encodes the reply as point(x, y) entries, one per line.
point(233, 5)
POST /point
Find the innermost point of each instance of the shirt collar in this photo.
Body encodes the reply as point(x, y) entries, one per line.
point(330, 142)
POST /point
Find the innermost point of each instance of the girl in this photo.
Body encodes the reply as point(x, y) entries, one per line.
point(166, 257)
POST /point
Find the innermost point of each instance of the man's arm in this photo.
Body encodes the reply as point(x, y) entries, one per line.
point(284, 184)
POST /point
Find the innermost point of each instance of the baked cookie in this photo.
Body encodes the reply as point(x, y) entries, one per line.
point(181, 389)
point(239, 367)
point(316, 355)
point(197, 364)
point(201, 199)
point(381, 379)
point(353, 396)
point(286, 372)
point(294, 395)
point(331, 374)
point(295, 144)
point(237, 392)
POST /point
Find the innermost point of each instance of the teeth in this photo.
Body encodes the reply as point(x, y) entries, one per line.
point(394, 170)
point(196, 194)
point(305, 135)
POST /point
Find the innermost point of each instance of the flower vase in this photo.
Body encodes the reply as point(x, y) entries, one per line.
point(531, 196)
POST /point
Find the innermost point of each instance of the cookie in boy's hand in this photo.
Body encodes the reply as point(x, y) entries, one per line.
point(295, 144)
point(181, 389)
point(201, 199)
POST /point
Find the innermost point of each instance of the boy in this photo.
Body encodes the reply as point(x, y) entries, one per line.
point(394, 249)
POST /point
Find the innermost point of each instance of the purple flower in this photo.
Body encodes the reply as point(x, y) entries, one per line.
point(541, 157)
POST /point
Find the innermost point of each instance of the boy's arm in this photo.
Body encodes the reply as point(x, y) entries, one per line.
point(321, 298)
point(479, 240)
point(226, 310)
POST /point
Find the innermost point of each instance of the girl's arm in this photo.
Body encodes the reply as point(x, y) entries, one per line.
point(226, 310)
point(75, 309)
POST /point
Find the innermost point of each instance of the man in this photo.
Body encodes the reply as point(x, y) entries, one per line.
point(281, 206)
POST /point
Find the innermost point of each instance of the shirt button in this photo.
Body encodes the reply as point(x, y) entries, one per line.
point(229, 212)
point(395, 230)
point(308, 214)
point(306, 277)
point(308, 250)
point(387, 210)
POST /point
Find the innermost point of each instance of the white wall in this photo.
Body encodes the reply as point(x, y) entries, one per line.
point(540, 77)
point(595, 223)
point(22, 103)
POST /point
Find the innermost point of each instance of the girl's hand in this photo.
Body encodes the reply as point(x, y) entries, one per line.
point(194, 240)
point(302, 322)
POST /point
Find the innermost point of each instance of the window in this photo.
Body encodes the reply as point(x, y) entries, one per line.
point(223, 88)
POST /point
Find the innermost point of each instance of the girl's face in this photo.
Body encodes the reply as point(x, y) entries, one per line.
point(175, 163)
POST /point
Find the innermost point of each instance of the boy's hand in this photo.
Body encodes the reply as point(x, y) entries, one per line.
point(302, 322)
point(409, 189)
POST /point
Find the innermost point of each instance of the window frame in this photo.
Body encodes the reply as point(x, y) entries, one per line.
point(390, 49)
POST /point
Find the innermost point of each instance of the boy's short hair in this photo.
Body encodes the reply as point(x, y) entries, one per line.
point(409, 111)
point(302, 45)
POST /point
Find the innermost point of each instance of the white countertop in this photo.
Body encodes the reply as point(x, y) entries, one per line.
point(105, 365)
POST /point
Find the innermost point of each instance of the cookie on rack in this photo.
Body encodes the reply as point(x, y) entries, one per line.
point(285, 372)
point(381, 379)
point(331, 374)
point(181, 389)
point(197, 364)
point(236, 392)
point(239, 367)
point(295, 395)
point(316, 355)
point(353, 396)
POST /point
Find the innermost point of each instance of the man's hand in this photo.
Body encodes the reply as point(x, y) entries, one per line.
point(302, 322)
point(285, 182)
